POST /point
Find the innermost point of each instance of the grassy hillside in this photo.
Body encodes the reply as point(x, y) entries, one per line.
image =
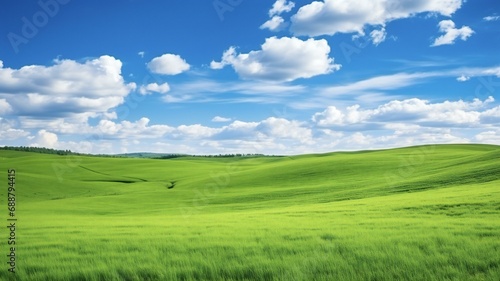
point(418, 213)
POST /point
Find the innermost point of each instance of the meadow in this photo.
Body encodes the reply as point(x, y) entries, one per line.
point(418, 213)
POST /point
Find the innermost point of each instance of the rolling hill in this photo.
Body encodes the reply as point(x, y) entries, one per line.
point(417, 213)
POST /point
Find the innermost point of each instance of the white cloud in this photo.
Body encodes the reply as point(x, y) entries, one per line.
point(283, 128)
point(196, 131)
point(175, 99)
point(359, 139)
point(391, 124)
point(400, 80)
point(491, 137)
point(46, 139)
point(330, 116)
point(141, 54)
point(334, 116)
point(463, 78)
point(281, 59)
point(276, 23)
point(7, 132)
point(328, 17)
point(371, 90)
point(281, 6)
point(4, 107)
point(202, 87)
point(130, 130)
point(168, 64)
point(207, 90)
point(451, 33)
point(271, 134)
point(12, 134)
point(271, 128)
point(109, 127)
point(378, 36)
point(142, 129)
point(154, 87)
point(68, 125)
point(378, 83)
point(67, 88)
point(491, 18)
point(238, 130)
point(415, 111)
point(221, 119)
point(491, 116)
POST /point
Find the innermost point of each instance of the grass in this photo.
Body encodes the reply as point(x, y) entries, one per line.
point(419, 213)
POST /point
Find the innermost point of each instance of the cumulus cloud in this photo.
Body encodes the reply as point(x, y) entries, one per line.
point(415, 111)
point(283, 128)
point(270, 128)
point(491, 116)
point(68, 125)
point(491, 137)
point(195, 131)
point(221, 119)
point(238, 130)
point(334, 116)
point(4, 107)
point(168, 64)
point(281, 6)
point(46, 139)
point(7, 132)
point(391, 124)
point(281, 59)
point(130, 130)
point(329, 17)
point(64, 89)
point(451, 34)
point(154, 87)
point(274, 24)
point(141, 54)
point(463, 78)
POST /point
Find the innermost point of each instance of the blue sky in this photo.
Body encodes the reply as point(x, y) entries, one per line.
point(240, 76)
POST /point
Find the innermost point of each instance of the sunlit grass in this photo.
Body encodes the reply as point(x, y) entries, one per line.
point(424, 213)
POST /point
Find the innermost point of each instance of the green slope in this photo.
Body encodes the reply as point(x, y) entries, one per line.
point(420, 213)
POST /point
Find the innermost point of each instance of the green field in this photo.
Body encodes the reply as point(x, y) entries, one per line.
point(419, 213)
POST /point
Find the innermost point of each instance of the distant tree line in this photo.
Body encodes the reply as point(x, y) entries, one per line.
point(45, 150)
point(171, 156)
point(166, 156)
point(38, 150)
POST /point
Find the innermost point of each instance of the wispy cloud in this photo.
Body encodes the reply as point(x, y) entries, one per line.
point(492, 18)
point(306, 96)
point(221, 119)
point(377, 84)
point(246, 91)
